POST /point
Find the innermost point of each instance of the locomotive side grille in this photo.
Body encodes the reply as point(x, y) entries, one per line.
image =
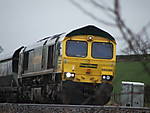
point(88, 65)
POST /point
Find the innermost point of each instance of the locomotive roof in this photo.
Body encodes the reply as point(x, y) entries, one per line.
point(8, 55)
point(90, 30)
point(87, 30)
point(45, 41)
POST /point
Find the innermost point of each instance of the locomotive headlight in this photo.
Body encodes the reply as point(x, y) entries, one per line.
point(69, 75)
point(73, 75)
point(107, 77)
point(104, 77)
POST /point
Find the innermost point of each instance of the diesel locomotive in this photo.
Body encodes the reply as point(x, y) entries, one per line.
point(69, 68)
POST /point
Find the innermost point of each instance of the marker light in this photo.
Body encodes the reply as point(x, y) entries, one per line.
point(90, 38)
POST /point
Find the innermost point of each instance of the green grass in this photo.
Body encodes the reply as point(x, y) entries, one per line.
point(130, 71)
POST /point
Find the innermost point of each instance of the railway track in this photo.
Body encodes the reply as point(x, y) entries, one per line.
point(48, 108)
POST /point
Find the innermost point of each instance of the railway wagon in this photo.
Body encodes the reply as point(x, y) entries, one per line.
point(69, 68)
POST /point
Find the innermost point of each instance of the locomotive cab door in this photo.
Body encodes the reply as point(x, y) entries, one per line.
point(50, 63)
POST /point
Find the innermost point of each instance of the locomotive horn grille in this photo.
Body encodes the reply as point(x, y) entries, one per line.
point(88, 65)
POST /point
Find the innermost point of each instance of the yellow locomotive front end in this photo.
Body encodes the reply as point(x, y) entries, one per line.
point(89, 59)
point(88, 66)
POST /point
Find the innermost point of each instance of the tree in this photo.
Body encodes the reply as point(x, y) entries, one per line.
point(137, 43)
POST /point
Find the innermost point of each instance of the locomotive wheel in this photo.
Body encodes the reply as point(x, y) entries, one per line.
point(72, 95)
point(103, 94)
point(101, 98)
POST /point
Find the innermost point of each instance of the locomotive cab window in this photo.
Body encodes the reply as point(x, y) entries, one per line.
point(76, 48)
point(102, 50)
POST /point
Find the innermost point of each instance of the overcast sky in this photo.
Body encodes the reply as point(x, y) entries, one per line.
point(23, 22)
